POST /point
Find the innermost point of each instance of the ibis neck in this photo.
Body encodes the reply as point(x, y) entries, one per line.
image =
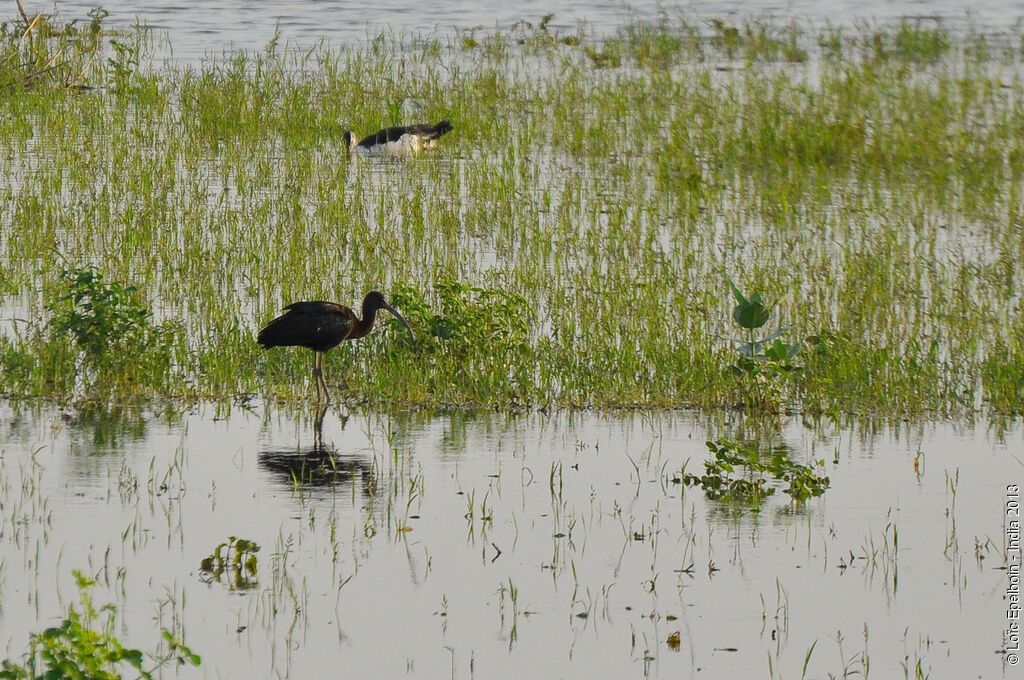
point(365, 324)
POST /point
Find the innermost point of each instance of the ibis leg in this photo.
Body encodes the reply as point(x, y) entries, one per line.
point(318, 373)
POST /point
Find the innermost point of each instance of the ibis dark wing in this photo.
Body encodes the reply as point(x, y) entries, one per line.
point(317, 325)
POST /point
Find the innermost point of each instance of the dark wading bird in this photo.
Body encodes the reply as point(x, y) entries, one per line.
point(405, 140)
point(321, 326)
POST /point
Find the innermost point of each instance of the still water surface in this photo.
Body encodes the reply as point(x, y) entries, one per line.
point(197, 30)
point(498, 546)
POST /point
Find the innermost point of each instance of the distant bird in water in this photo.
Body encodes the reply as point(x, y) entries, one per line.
point(321, 326)
point(399, 141)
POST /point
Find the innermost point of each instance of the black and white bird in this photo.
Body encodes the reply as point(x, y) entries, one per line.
point(399, 141)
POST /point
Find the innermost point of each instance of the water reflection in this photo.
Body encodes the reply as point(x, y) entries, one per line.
point(317, 464)
point(99, 431)
point(467, 524)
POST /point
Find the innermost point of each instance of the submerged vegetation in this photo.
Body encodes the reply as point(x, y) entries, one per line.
point(235, 559)
point(740, 472)
point(566, 245)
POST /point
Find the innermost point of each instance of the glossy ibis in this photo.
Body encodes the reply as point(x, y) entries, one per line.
point(321, 326)
point(403, 140)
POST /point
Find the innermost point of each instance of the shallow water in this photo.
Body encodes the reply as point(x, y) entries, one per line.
point(215, 28)
point(377, 558)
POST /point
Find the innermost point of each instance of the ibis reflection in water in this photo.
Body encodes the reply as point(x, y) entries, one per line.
point(319, 465)
point(321, 326)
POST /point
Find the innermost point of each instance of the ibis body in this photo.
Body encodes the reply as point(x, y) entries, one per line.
point(321, 326)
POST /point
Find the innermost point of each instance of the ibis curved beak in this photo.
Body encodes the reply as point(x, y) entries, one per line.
point(401, 318)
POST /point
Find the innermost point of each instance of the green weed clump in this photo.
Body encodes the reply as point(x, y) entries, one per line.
point(763, 364)
point(104, 320)
point(84, 646)
point(565, 245)
point(740, 472)
point(38, 52)
point(234, 559)
point(99, 341)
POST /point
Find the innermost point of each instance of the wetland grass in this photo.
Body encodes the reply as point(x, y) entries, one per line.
point(569, 245)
